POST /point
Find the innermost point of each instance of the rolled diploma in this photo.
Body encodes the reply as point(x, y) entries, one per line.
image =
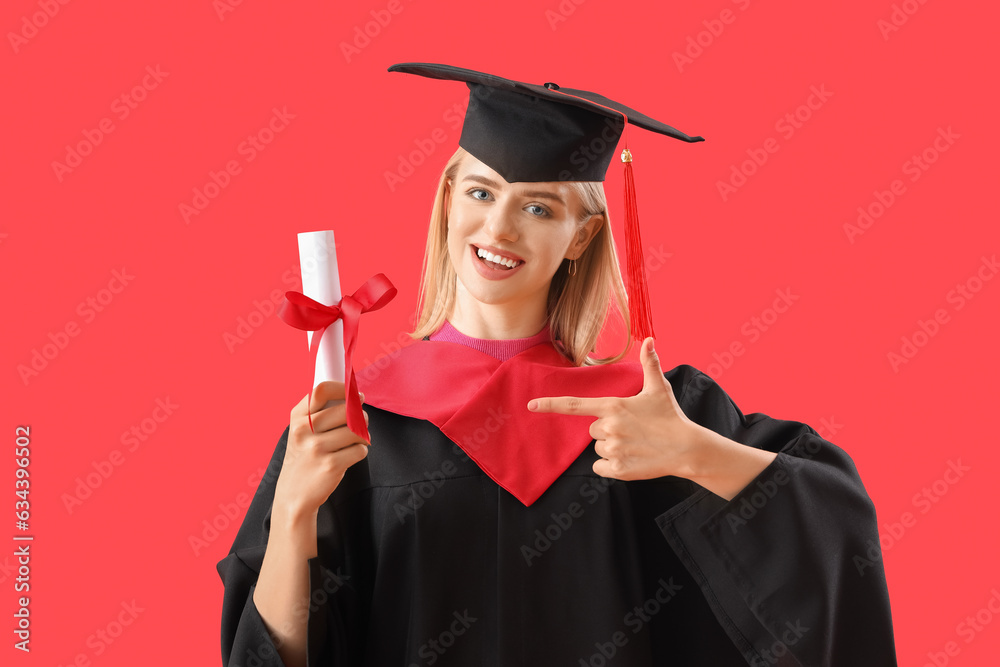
point(321, 281)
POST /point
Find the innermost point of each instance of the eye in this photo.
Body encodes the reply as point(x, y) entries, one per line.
point(473, 191)
point(542, 212)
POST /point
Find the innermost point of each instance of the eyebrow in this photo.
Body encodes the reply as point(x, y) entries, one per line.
point(541, 194)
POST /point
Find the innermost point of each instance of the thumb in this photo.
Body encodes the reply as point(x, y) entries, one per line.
point(652, 374)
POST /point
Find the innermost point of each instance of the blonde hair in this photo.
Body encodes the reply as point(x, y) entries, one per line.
point(577, 305)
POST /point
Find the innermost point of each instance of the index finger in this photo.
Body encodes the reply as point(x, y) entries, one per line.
point(569, 405)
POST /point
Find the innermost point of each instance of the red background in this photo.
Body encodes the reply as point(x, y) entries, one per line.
point(163, 336)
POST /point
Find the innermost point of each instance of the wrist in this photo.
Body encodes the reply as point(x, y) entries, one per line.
point(702, 461)
point(291, 516)
point(724, 466)
point(289, 504)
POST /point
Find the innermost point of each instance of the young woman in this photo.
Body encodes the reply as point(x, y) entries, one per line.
point(525, 504)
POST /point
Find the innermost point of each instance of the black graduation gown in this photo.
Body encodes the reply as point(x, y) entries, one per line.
point(423, 559)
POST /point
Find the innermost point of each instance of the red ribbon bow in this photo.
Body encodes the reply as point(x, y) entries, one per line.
point(307, 314)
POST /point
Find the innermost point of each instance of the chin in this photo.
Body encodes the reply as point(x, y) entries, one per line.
point(488, 294)
point(479, 293)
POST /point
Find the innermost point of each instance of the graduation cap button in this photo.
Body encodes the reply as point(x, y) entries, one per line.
point(551, 86)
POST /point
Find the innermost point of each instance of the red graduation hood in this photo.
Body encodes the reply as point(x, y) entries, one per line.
point(481, 404)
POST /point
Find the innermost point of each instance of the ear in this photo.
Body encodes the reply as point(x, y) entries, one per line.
point(585, 236)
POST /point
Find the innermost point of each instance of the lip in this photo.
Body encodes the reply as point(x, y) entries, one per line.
point(487, 272)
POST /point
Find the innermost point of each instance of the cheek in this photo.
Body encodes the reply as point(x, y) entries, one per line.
point(455, 243)
point(456, 223)
point(556, 246)
point(455, 238)
point(461, 230)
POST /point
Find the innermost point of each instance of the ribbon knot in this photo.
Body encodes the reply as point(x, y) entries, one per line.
point(307, 314)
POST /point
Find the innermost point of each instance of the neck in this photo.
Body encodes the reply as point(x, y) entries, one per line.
point(498, 322)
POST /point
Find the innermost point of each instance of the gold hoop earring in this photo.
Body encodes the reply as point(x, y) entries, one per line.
point(572, 267)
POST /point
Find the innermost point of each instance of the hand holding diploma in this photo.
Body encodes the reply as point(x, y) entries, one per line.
point(326, 307)
point(320, 449)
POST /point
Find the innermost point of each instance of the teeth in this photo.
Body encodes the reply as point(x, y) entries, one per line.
point(486, 254)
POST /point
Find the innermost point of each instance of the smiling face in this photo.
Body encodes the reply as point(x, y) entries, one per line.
point(536, 224)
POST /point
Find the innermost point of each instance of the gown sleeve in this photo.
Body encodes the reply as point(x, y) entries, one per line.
point(333, 632)
point(790, 566)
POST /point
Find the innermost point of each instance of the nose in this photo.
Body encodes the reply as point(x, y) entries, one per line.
point(500, 221)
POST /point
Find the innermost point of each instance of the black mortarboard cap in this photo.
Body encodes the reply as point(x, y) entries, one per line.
point(529, 132)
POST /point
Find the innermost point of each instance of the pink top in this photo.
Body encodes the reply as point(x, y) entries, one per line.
point(500, 349)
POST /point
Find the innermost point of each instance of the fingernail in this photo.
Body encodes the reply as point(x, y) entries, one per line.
point(362, 395)
point(532, 405)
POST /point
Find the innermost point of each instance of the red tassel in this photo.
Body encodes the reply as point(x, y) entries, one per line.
point(640, 314)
